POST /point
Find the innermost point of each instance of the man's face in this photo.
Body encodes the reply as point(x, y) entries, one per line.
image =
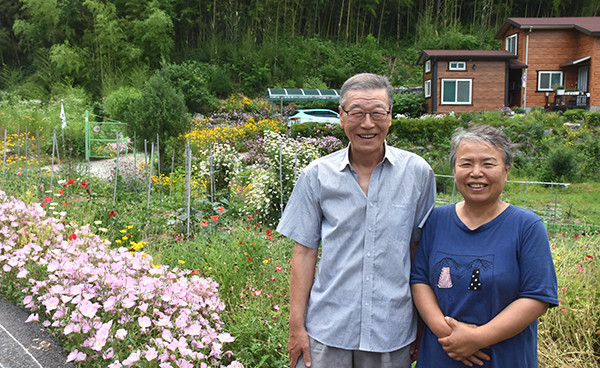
point(366, 135)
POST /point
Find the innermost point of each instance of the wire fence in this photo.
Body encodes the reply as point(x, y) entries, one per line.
point(543, 198)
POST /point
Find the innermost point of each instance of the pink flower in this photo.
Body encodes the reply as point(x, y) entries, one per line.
point(120, 334)
point(151, 354)
point(144, 322)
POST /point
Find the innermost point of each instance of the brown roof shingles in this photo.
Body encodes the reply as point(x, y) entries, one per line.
point(587, 25)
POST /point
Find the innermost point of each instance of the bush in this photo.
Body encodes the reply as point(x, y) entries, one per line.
point(575, 114)
point(409, 104)
point(119, 104)
point(561, 164)
point(192, 79)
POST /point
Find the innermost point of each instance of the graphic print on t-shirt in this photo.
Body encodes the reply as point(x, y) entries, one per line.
point(448, 266)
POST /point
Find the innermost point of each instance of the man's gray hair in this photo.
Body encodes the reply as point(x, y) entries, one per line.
point(484, 134)
point(366, 81)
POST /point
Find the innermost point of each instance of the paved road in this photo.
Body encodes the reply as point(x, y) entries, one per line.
point(27, 345)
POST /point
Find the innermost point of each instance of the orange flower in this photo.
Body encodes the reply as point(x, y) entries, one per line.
point(203, 223)
point(221, 209)
point(195, 272)
point(215, 218)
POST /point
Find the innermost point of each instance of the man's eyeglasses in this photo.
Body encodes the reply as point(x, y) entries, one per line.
point(357, 116)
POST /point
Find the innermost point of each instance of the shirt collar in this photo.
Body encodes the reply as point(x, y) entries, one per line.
point(387, 156)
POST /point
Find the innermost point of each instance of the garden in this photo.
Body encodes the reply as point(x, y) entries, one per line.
point(173, 261)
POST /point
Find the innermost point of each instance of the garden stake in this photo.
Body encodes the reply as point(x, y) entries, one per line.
point(18, 142)
point(280, 178)
point(158, 168)
point(149, 184)
point(116, 173)
point(26, 151)
point(39, 156)
point(212, 174)
point(188, 186)
point(4, 154)
point(135, 160)
point(171, 177)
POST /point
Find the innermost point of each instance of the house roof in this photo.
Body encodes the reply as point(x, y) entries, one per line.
point(465, 55)
point(587, 25)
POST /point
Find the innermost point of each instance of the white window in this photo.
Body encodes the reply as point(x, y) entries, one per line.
point(427, 88)
point(511, 43)
point(456, 91)
point(548, 80)
point(457, 65)
point(427, 66)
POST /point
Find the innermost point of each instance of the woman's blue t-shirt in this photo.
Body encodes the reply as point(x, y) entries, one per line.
point(475, 274)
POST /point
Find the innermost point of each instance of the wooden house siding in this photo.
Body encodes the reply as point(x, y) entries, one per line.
point(548, 49)
point(488, 80)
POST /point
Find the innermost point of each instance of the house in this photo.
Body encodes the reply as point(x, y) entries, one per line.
point(549, 53)
point(466, 80)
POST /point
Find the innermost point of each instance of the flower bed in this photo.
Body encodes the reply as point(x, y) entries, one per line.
point(109, 306)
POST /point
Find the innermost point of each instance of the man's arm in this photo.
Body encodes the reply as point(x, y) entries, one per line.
point(304, 261)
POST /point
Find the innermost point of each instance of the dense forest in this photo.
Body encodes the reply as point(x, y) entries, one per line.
point(240, 45)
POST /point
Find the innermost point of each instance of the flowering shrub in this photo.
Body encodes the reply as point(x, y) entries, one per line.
point(225, 161)
point(109, 306)
point(265, 188)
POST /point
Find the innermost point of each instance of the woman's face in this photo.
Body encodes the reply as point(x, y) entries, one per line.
point(479, 172)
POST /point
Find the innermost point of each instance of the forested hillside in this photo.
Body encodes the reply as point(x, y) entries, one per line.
point(240, 46)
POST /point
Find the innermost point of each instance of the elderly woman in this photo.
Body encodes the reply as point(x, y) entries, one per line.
point(483, 272)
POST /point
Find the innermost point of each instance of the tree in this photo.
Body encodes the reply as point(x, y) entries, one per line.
point(160, 111)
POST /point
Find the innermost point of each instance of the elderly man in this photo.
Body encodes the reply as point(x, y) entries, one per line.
point(364, 206)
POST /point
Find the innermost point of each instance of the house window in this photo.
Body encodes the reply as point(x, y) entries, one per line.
point(427, 66)
point(456, 91)
point(458, 65)
point(427, 88)
point(547, 80)
point(511, 43)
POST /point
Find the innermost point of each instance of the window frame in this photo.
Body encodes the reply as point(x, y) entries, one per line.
point(460, 65)
point(549, 88)
point(427, 88)
point(455, 102)
point(514, 44)
point(427, 66)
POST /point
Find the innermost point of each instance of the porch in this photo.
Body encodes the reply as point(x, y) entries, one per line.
point(568, 100)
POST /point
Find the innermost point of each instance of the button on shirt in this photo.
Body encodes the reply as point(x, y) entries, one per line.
point(360, 298)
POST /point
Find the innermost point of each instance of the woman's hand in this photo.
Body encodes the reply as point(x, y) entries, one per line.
point(464, 343)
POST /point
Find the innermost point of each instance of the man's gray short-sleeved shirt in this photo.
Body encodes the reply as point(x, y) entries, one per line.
point(360, 298)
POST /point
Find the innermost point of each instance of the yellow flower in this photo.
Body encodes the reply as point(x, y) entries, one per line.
point(181, 261)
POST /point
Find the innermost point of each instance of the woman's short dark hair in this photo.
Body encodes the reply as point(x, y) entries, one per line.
point(366, 81)
point(483, 133)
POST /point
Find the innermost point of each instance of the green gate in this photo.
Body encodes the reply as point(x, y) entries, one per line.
point(101, 137)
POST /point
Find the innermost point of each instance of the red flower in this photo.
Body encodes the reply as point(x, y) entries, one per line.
point(112, 213)
point(48, 199)
point(257, 292)
point(272, 279)
point(576, 236)
point(195, 272)
point(65, 185)
point(72, 236)
point(19, 173)
point(44, 204)
point(70, 181)
point(215, 218)
point(221, 209)
point(250, 217)
point(269, 234)
point(250, 259)
point(278, 268)
point(276, 308)
point(590, 256)
point(84, 184)
point(178, 238)
point(60, 192)
point(65, 203)
point(204, 223)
